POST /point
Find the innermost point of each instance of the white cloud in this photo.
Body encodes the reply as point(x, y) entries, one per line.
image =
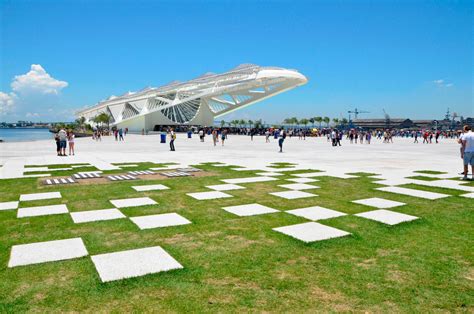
point(442, 83)
point(37, 80)
point(7, 102)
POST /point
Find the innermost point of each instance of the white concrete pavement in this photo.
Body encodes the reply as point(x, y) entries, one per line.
point(390, 160)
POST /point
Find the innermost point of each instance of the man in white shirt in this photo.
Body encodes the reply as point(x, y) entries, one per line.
point(467, 150)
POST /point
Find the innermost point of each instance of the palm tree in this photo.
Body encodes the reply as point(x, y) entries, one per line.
point(327, 120)
point(319, 120)
point(242, 122)
point(336, 121)
point(288, 121)
point(258, 123)
point(304, 122)
point(222, 123)
point(312, 121)
point(250, 122)
point(294, 121)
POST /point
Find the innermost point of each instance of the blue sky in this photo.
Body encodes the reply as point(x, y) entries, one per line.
point(411, 58)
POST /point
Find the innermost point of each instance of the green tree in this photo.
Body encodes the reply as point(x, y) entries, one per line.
point(312, 121)
point(336, 121)
point(327, 120)
point(294, 121)
point(222, 123)
point(288, 121)
point(344, 121)
point(319, 120)
point(304, 122)
point(250, 122)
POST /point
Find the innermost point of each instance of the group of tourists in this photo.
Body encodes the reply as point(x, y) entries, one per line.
point(64, 139)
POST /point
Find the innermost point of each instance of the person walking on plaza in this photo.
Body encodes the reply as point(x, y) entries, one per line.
point(214, 137)
point(120, 132)
point(172, 138)
point(467, 150)
point(416, 137)
point(223, 136)
point(62, 142)
point(281, 140)
point(267, 136)
point(70, 140)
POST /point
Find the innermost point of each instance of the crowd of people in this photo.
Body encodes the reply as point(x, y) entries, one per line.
point(65, 139)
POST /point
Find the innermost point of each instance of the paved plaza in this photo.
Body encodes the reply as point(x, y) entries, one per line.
point(390, 160)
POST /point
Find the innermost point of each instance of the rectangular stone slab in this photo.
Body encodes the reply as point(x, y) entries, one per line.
point(311, 231)
point(133, 202)
point(315, 213)
point(378, 202)
point(290, 195)
point(39, 196)
point(50, 251)
point(249, 210)
point(9, 205)
point(153, 187)
point(42, 210)
point(225, 187)
point(412, 192)
point(133, 263)
point(209, 195)
point(159, 221)
point(96, 215)
point(386, 216)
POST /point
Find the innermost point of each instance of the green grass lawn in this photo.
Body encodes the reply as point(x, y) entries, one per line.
point(235, 264)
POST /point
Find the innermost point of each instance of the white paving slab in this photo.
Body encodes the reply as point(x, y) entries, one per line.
point(133, 202)
point(310, 174)
point(248, 180)
point(412, 192)
point(302, 180)
point(269, 174)
point(386, 216)
point(97, 215)
point(447, 184)
point(378, 202)
point(311, 231)
point(9, 205)
point(315, 213)
point(35, 169)
point(39, 196)
point(209, 195)
point(50, 251)
point(42, 210)
point(133, 263)
point(299, 186)
point(225, 187)
point(468, 195)
point(153, 187)
point(249, 210)
point(160, 220)
point(290, 195)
